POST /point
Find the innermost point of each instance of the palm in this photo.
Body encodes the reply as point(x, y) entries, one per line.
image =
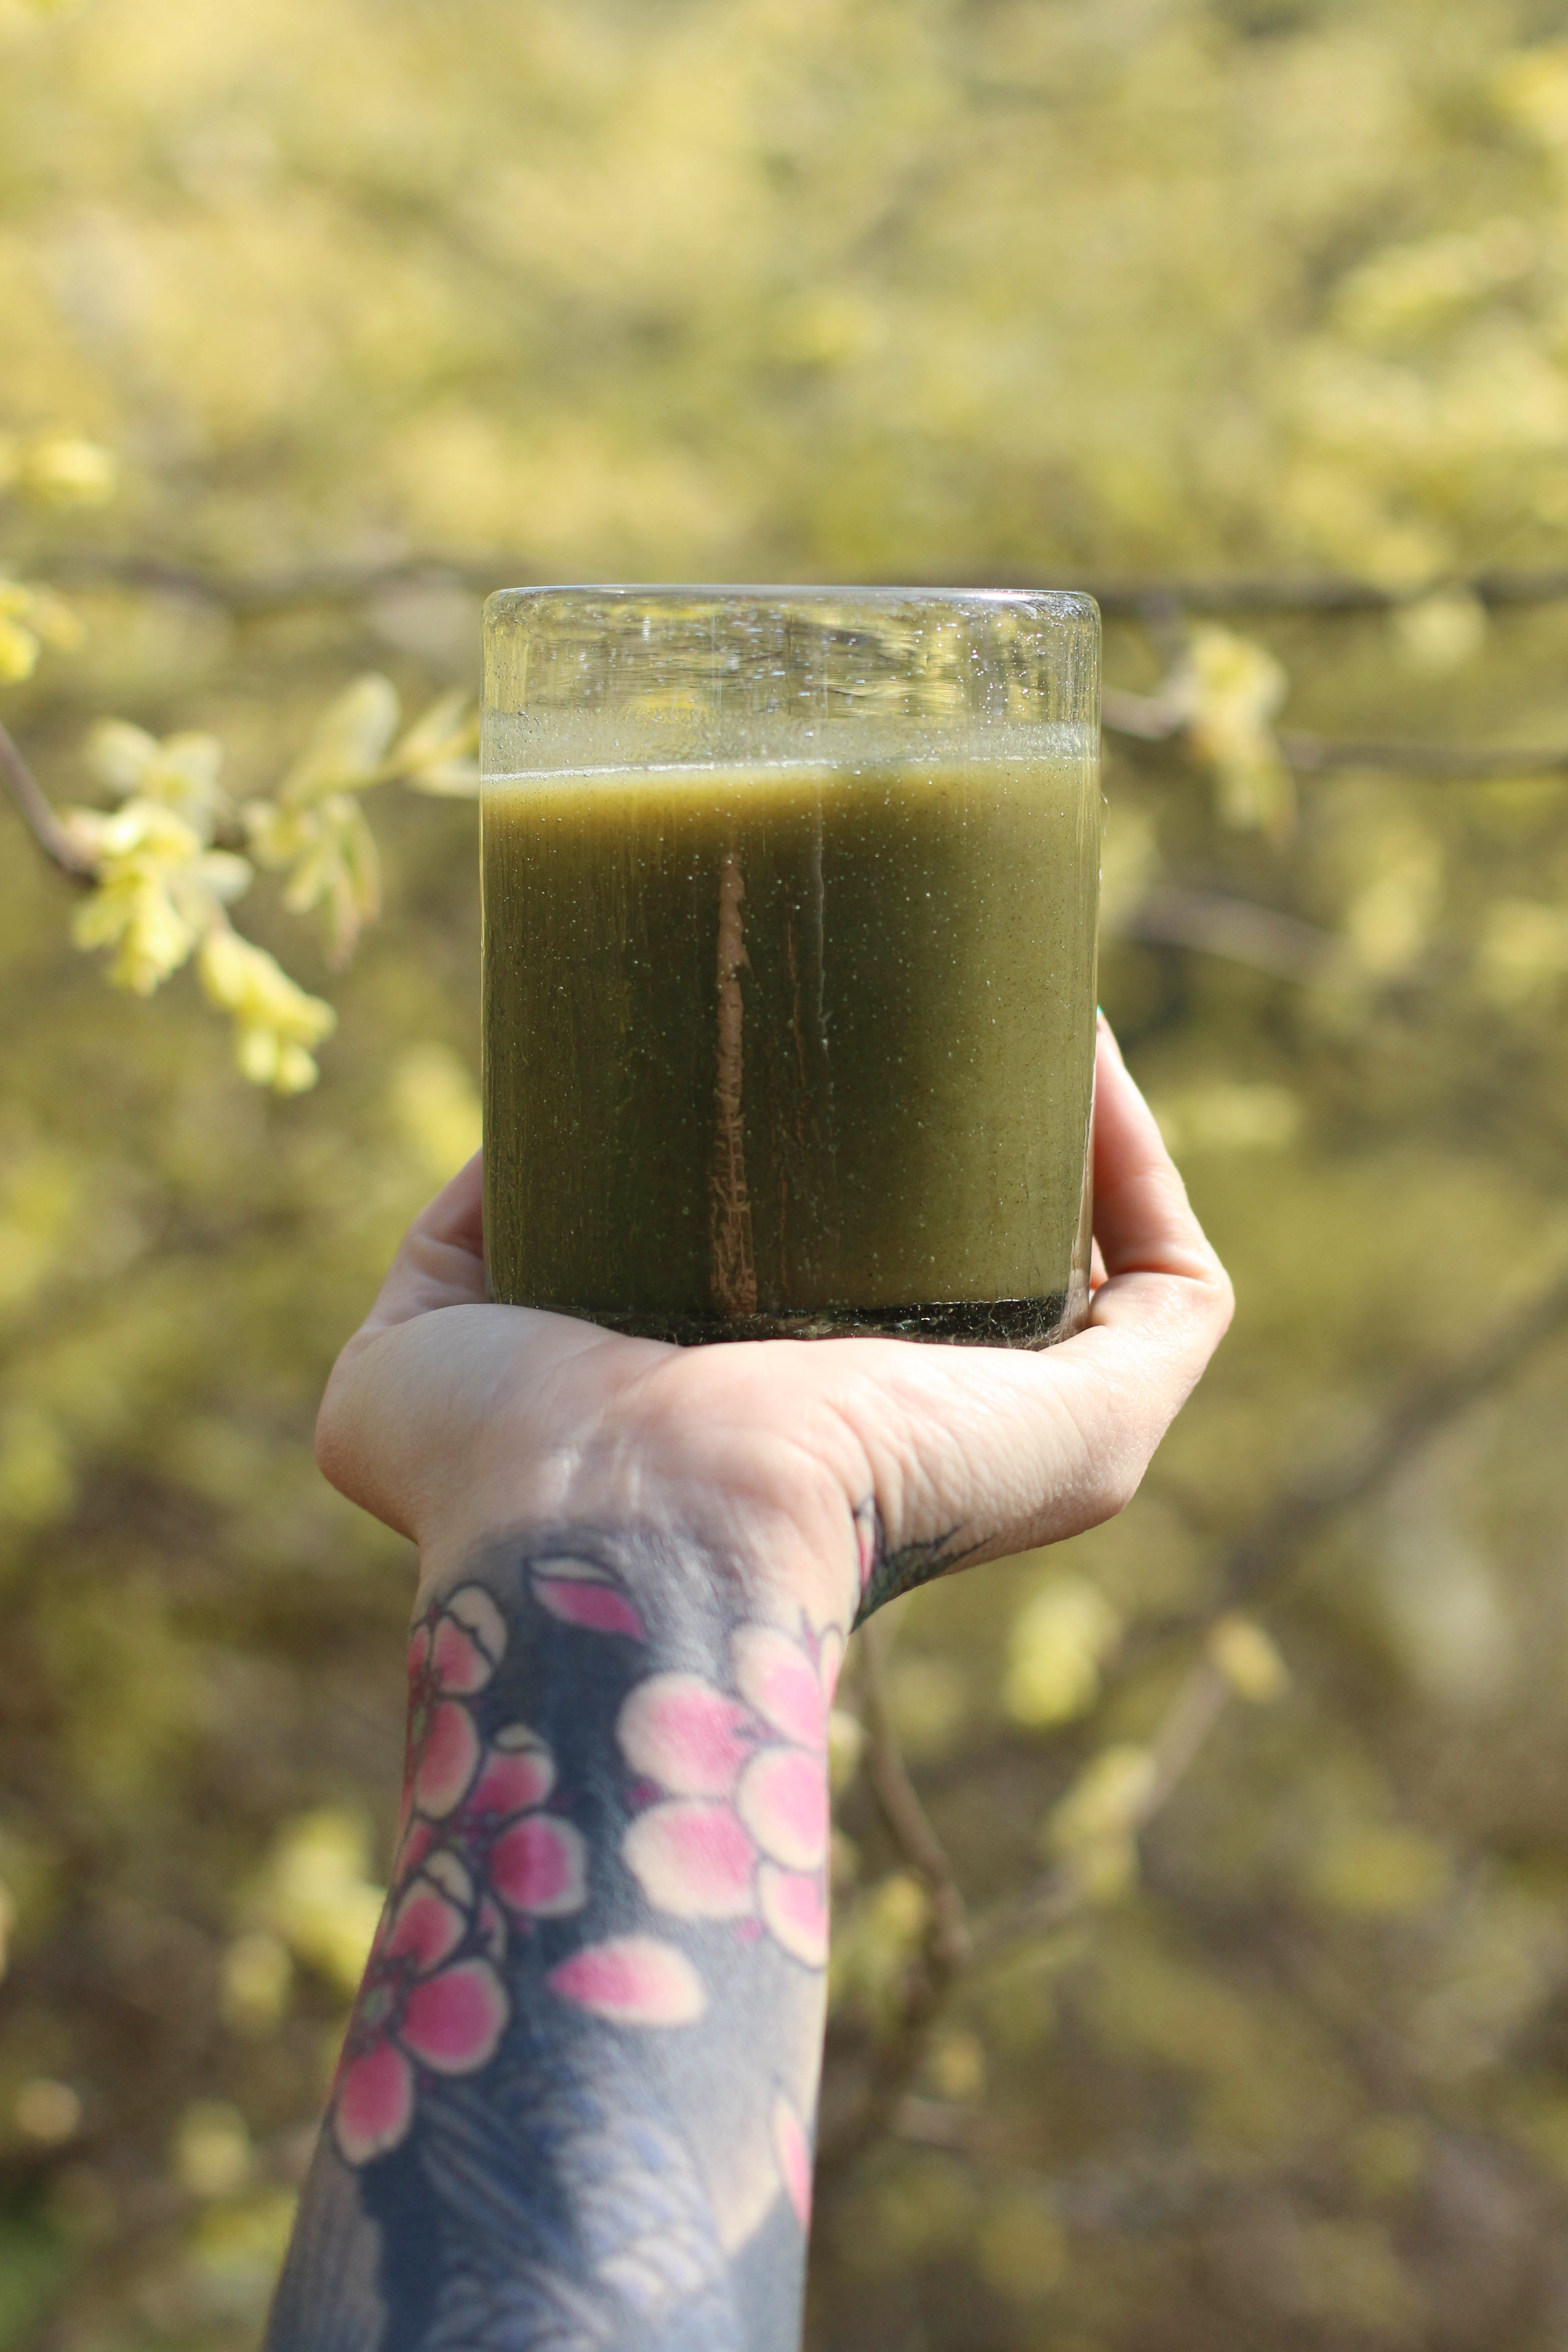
point(444, 1406)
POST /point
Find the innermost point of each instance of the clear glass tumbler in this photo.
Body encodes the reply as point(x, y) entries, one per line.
point(790, 909)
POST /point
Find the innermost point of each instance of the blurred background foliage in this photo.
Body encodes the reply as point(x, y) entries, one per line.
point(1242, 2015)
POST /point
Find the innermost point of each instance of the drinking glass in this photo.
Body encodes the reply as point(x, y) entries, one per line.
point(790, 907)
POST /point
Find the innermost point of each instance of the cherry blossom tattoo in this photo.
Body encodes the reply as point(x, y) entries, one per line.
point(573, 2108)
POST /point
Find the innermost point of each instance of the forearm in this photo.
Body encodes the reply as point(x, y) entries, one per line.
point(576, 2102)
point(575, 2108)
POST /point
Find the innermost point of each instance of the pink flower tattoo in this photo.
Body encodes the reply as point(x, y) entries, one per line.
point(739, 1829)
point(432, 1997)
point(792, 2155)
point(580, 1592)
point(453, 1652)
point(482, 1803)
point(535, 1863)
point(477, 1848)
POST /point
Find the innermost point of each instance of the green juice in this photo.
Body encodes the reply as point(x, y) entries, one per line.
point(795, 1050)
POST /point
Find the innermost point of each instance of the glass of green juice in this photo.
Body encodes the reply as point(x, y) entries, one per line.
point(790, 912)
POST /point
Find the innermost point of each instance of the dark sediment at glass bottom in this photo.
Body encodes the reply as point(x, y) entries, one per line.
point(973, 1323)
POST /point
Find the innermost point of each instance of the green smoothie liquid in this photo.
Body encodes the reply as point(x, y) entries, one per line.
point(794, 1049)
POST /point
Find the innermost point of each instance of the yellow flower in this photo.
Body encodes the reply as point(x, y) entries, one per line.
point(1230, 689)
point(138, 851)
point(63, 470)
point(159, 887)
point(276, 1022)
point(1059, 1642)
point(1093, 1830)
point(1249, 1660)
point(18, 647)
point(332, 853)
point(347, 747)
point(436, 753)
point(30, 619)
point(180, 772)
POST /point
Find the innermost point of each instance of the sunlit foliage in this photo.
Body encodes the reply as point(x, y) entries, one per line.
point(313, 319)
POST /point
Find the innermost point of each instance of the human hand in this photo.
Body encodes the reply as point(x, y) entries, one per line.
point(639, 1564)
point(865, 1463)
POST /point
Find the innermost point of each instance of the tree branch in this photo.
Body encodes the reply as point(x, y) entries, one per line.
point(1259, 1558)
point(32, 804)
point(259, 595)
point(944, 1952)
point(1277, 1539)
point(1152, 602)
point(1063, 1891)
point(1151, 718)
point(1237, 929)
point(1147, 718)
point(1496, 590)
point(906, 1819)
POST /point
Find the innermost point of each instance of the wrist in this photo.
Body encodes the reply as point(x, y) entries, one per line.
point(775, 1516)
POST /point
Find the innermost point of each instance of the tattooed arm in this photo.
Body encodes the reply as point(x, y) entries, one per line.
point(574, 2107)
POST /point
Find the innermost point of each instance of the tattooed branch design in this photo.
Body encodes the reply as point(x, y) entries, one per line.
point(885, 1574)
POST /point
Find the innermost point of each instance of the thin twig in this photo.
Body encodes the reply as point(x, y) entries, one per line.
point(1064, 1891)
point(1186, 1725)
point(1274, 1543)
point(1461, 763)
point(1496, 590)
point(1155, 719)
point(908, 1822)
point(262, 595)
point(944, 1951)
point(1136, 600)
point(1236, 928)
point(1142, 717)
point(1260, 1557)
point(1263, 1555)
point(53, 838)
point(1138, 718)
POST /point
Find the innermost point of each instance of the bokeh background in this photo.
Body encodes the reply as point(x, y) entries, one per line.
point(1201, 1973)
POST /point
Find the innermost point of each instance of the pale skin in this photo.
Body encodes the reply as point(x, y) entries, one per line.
point(642, 1562)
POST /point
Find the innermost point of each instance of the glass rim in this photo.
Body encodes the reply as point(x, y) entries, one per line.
point(1061, 603)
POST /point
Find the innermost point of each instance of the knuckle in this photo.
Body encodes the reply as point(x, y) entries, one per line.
point(329, 1440)
point(1116, 1482)
point(335, 1425)
point(1223, 1294)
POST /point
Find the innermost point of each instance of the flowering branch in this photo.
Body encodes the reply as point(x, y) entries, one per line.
point(1277, 1539)
point(1105, 1812)
point(161, 868)
point(54, 839)
point(1178, 716)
